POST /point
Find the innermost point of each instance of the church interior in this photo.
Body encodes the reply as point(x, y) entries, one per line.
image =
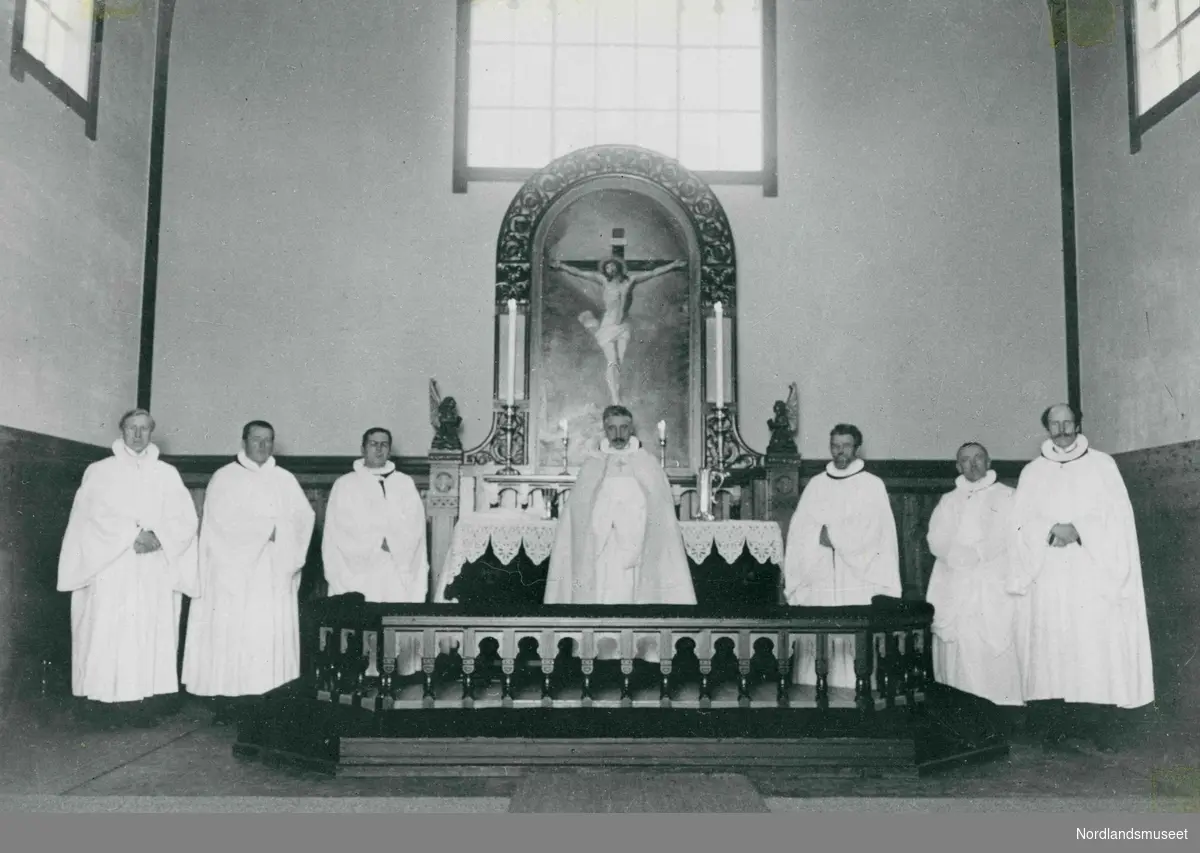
point(929, 219)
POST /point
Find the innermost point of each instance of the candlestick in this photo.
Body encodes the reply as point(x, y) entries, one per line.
point(512, 352)
point(719, 314)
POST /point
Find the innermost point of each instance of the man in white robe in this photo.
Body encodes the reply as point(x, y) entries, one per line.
point(243, 635)
point(618, 540)
point(128, 557)
point(841, 550)
point(374, 541)
point(974, 636)
point(1082, 635)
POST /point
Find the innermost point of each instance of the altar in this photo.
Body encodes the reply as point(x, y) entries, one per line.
point(736, 561)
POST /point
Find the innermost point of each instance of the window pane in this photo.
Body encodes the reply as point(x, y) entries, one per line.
point(656, 79)
point(37, 25)
point(740, 142)
point(576, 22)
point(698, 23)
point(1158, 74)
point(56, 48)
point(1187, 7)
point(616, 78)
point(534, 22)
point(1155, 21)
point(491, 21)
point(698, 141)
point(488, 142)
point(741, 79)
point(1191, 50)
point(617, 22)
point(657, 131)
point(657, 22)
point(530, 138)
point(699, 79)
point(77, 60)
point(531, 76)
point(491, 75)
point(573, 129)
point(617, 127)
point(575, 77)
point(741, 24)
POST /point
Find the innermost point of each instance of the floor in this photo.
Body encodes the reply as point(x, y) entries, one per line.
point(51, 762)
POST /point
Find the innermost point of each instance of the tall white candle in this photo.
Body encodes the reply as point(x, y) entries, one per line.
point(512, 351)
point(562, 425)
point(719, 315)
point(662, 430)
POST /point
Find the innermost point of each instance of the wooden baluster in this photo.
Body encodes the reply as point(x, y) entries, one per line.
point(587, 665)
point(547, 676)
point(895, 672)
point(881, 679)
point(664, 696)
point(387, 682)
point(927, 657)
point(427, 666)
point(784, 694)
point(468, 682)
point(912, 670)
point(705, 688)
point(626, 692)
point(822, 667)
point(744, 682)
point(506, 666)
point(862, 673)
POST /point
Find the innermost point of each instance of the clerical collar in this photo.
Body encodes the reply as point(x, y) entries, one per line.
point(988, 479)
point(360, 465)
point(1054, 453)
point(119, 447)
point(634, 444)
point(250, 465)
point(853, 468)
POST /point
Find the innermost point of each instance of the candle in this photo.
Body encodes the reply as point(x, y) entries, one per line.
point(662, 430)
point(512, 351)
point(719, 313)
point(562, 425)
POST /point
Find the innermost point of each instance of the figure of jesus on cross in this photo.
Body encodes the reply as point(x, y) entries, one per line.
point(612, 331)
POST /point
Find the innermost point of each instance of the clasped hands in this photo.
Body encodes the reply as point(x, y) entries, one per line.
point(146, 543)
point(1062, 535)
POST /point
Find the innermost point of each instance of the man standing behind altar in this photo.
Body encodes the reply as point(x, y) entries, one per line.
point(243, 635)
point(128, 557)
point(618, 540)
point(970, 531)
point(841, 550)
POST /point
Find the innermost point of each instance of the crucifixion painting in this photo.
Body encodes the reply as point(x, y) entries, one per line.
point(612, 288)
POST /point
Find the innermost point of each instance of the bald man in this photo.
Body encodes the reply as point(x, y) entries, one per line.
point(1083, 641)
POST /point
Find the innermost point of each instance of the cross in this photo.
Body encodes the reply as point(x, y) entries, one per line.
point(618, 252)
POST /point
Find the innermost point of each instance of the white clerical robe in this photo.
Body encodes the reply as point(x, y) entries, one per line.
point(366, 508)
point(1082, 633)
point(243, 636)
point(125, 607)
point(974, 631)
point(863, 562)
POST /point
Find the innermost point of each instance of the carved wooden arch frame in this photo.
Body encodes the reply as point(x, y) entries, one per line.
point(515, 258)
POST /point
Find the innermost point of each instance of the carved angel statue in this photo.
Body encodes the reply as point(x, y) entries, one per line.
point(784, 425)
point(443, 416)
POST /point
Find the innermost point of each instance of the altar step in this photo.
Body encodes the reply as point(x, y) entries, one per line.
point(836, 743)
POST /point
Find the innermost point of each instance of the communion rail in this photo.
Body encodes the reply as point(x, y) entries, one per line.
point(418, 689)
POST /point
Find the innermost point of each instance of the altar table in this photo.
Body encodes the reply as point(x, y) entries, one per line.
point(507, 533)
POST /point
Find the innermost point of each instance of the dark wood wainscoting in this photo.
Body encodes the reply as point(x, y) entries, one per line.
point(39, 475)
point(1164, 487)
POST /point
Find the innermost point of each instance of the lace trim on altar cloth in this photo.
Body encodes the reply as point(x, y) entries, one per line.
point(764, 540)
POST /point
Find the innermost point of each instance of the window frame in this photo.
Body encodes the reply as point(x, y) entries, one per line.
point(464, 174)
point(1139, 122)
point(23, 63)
